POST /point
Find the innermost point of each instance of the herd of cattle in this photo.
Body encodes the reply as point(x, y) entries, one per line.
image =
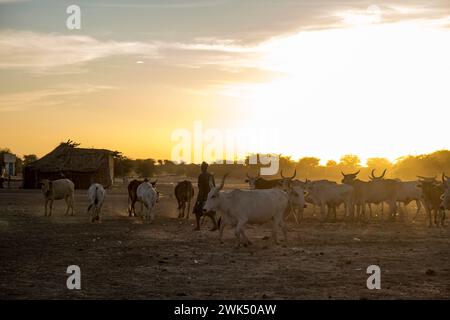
point(268, 200)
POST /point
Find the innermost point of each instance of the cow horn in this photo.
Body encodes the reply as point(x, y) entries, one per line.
point(293, 176)
point(372, 174)
point(282, 174)
point(356, 173)
point(375, 177)
point(211, 183)
point(223, 180)
point(445, 179)
point(343, 174)
point(154, 182)
point(426, 178)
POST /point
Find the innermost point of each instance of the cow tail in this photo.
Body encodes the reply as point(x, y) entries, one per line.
point(96, 198)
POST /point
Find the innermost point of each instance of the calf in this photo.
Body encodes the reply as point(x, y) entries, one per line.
point(58, 190)
point(96, 195)
point(184, 192)
point(148, 196)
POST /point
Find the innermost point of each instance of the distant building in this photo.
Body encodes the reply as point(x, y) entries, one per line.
point(9, 165)
point(82, 166)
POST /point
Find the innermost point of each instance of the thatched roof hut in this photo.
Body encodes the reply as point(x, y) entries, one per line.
point(82, 166)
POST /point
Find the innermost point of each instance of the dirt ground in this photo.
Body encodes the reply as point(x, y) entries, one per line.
point(123, 258)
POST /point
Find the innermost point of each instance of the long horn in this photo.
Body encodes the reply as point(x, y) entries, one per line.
point(154, 182)
point(356, 173)
point(282, 174)
point(223, 180)
point(372, 174)
point(211, 183)
point(382, 175)
point(343, 174)
point(293, 176)
point(426, 178)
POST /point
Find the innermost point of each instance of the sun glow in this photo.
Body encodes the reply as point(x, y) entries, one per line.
point(365, 89)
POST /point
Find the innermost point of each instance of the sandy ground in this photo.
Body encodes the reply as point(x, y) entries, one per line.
point(123, 258)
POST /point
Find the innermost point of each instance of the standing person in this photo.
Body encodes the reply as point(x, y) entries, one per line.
point(202, 196)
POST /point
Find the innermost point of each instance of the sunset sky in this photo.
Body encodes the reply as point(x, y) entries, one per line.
point(330, 77)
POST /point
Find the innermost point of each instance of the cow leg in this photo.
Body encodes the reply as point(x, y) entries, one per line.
point(151, 214)
point(188, 209)
point(222, 226)
point(66, 199)
point(133, 208)
point(370, 209)
point(46, 203)
point(51, 208)
point(392, 210)
point(99, 213)
point(300, 213)
point(71, 204)
point(93, 213)
point(213, 218)
point(197, 218)
point(179, 209)
point(430, 223)
point(282, 224)
point(276, 223)
point(237, 232)
point(419, 206)
point(362, 215)
point(322, 211)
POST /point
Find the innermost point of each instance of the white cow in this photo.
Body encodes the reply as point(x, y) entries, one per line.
point(58, 190)
point(239, 207)
point(308, 198)
point(148, 197)
point(297, 201)
point(328, 194)
point(96, 195)
point(407, 192)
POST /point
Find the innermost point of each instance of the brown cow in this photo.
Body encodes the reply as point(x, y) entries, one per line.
point(184, 192)
point(432, 191)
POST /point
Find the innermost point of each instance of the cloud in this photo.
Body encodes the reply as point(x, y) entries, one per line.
point(57, 53)
point(46, 97)
point(162, 5)
point(41, 51)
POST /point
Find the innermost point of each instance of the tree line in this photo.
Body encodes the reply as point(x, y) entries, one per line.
point(405, 168)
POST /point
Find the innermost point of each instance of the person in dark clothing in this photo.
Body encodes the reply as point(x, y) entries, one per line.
point(202, 196)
